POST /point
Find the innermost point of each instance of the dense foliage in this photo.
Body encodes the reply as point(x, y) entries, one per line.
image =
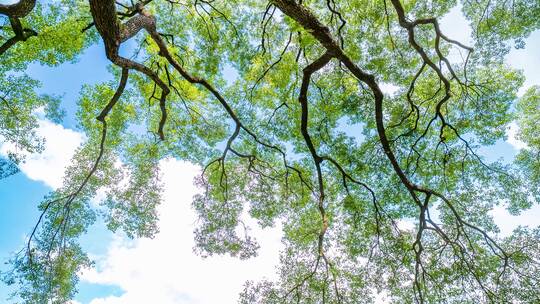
point(280, 103)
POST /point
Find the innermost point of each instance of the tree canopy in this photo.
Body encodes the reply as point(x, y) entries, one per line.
point(263, 95)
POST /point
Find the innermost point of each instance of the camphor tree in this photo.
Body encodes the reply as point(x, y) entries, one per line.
point(271, 140)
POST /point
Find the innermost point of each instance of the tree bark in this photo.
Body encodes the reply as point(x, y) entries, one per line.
point(21, 34)
point(19, 9)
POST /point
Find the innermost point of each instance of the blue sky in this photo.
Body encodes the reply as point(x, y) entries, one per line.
point(164, 270)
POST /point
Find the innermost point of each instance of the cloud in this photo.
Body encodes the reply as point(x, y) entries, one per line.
point(165, 269)
point(388, 88)
point(48, 167)
point(507, 222)
point(513, 140)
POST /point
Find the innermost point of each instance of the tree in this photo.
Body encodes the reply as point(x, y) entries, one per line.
point(305, 71)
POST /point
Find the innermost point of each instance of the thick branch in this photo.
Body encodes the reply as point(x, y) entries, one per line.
point(19, 9)
point(21, 34)
point(309, 21)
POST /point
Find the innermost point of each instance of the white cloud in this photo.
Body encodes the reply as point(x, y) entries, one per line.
point(406, 224)
point(511, 133)
point(48, 166)
point(165, 269)
point(388, 88)
point(507, 222)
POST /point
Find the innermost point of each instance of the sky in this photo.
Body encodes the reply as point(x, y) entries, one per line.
point(165, 269)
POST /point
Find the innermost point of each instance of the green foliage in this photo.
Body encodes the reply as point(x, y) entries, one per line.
point(59, 40)
point(527, 109)
point(528, 115)
point(494, 22)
